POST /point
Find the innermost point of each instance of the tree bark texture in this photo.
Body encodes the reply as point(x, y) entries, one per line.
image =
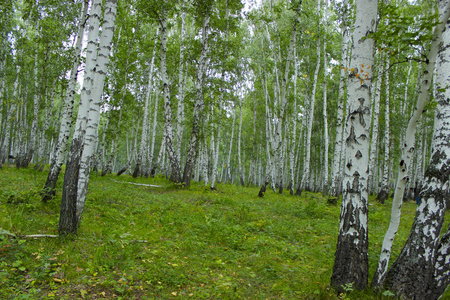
point(351, 265)
point(174, 159)
point(68, 220)
point(198, 105)
point(66, 121)
point(407, 156)
point(420, 271)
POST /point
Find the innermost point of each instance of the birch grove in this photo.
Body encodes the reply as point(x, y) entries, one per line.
point(274, 95)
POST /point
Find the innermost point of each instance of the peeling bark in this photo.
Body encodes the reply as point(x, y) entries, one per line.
point(351, 265)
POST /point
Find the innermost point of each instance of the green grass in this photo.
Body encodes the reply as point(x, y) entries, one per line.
point(138, 242)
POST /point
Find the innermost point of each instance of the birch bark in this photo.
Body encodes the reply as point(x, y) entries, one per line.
point(375, 125)
point(4, 145)
point(215, 160)
point(306, 178)
point(199, 103)
point(324, 110)
point(351, 265)
point(281, 111)
point(384, 190)
point(419, 271)
point(25, 161)
point(152, 144)
point(241, 175)
point(171, 152)
point(66, 121)
point(141, 157)
point(68, 220)
point(181, 87)
point(335, 188)
point(407, 154)
point(91, 135)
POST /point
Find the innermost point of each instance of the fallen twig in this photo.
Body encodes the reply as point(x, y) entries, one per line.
point(141, 184)
point(39, 236)
point(2, 231)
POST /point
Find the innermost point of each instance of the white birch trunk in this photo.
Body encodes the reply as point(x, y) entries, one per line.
point(351, 265)
point(384, 190)
point(215, 159)
point(294, 118)
point(335, 188)
point(95, 101)
point(25, 161)
point(68, 221)
point(306, 179)
point(375, 125)
point(408, 150)
point(280, 115)
point(241, 175)
point(4, 145)
point(152, 171)
point(141, 157)
point(199, 103)
point(174, 159)
point(227, 166)
point(181, 87)
point(43, 140)
point(325, 116)
point(218, 142)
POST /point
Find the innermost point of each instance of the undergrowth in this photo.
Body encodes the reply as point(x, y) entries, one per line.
point(140, 242)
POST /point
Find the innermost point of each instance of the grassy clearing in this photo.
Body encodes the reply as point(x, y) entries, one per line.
point(138, 242)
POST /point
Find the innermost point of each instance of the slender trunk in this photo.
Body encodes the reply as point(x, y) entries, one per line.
point(294, 117)
point(91, 135)
point(66, 121)
point(335, 188)
point(217, 143)
point(419, 270)
point(152, 145)
point(306, 179)
point(68, 221)
point(241, 175)
point(181, 88)
point(34, 124)
point(375, 124)
point(141, 157)
point(406, 159)
point(198, 105)
point(281, 111)
point(384, 191)
point(174, 159)
point(351, 265)
point(325, 116)
point(228, 164)
point(4, 145)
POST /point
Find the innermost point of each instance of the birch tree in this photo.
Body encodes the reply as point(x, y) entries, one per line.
point(407, 154)
point(141, 157)
point(199, 102)
point(280, 114)
point(420, 270)
point(76, 177)
point(384, 190)
point(335, 187)
point(171, 152)
point(66, 121)
point(91, 135)
point(324, 110)
point(375, 124)
point(351, 265)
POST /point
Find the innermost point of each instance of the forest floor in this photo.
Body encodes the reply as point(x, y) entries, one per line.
point(141, 242)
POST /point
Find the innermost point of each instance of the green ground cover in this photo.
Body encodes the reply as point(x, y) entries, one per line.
point(139, 242)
